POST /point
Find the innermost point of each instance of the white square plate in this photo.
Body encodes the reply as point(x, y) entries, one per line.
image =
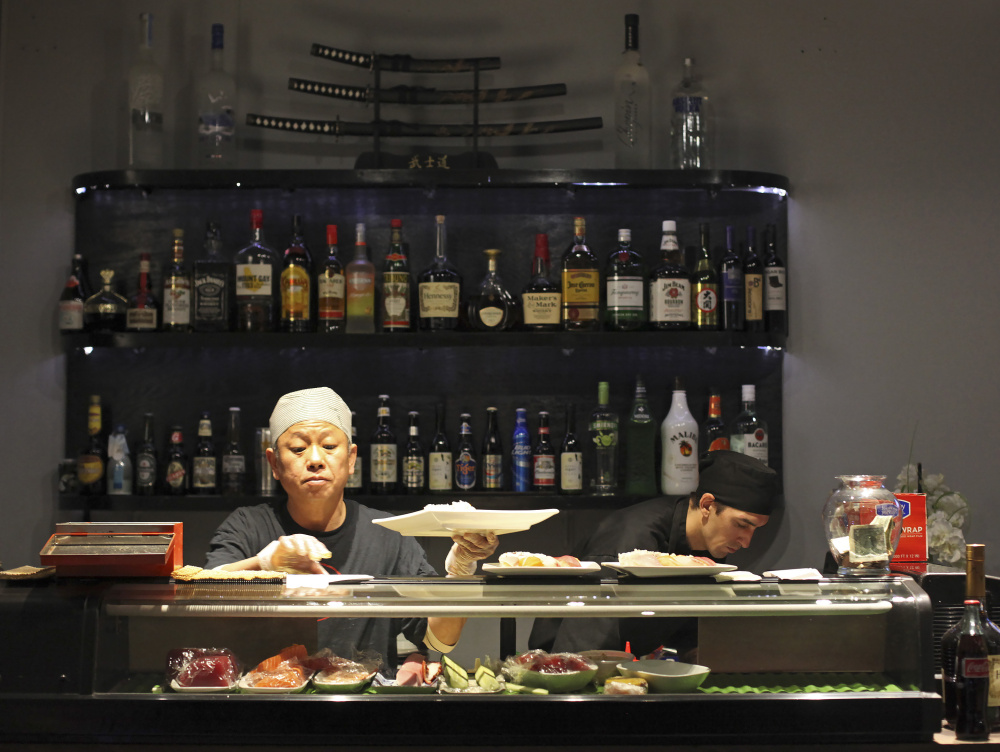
point(586, 567)
point(441, 523)
point(697, 571)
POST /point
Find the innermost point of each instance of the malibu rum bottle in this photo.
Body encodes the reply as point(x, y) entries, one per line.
point(581, 283)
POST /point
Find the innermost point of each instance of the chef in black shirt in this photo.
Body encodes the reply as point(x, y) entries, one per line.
point(735, 496)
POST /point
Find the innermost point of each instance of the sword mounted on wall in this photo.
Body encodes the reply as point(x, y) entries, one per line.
point(376, 96)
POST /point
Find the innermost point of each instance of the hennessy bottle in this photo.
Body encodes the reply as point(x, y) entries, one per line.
point(439, 289)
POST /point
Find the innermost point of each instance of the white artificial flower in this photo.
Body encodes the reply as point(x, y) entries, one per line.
point(935, 484)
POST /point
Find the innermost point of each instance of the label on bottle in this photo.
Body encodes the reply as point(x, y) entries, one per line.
point(203, 472)
point(994, 700)
point(439, 478)
point(706, 305)
point(670, 301)
point(679, 470)
point(118, 484)
point(521, 462)
point(141, 319)
point(687, 105)
point(145, 470)
point(774, 289)
point(253, 280)
point(753, 287)
point(356, 479)
point(177, 304)
point(493, 471)
point(752, 444)
point(625, 294)
point(465, 470)
point(413, 471)
point(233, 464)
point(295, 293)
point(176, 474)
point(581, 294)
point(439, 299)
point(491, 316)
point(331, 297)
point(384, 463)
point(89, 469)
point(732, 285)
point(974, 667)
point(210, 297)
point(571, 471)
point(718, 443)
point(545, 471)
point(541, 308)
point(395, 300)
point(216, 124)
point(360, 291)
point(71, 315)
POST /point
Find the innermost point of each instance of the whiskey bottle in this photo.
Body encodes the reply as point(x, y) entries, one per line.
point(625, 286)
point(570, 457)
point(146, 465)
point(119, 472)
point(360, 287)
point(143, 314)
point(296, 283)
point(520, 453)
point(775, 286)
point(215, 103)
point(356, 480)
point(753, 284)
point(492, 453)
point(439, 459)
point(256, 280)
point(384, 458)
point(73, 296)
point(204, 469)
point(679, 445)
point(713, 431)
point(749, 433)
point(704, 287)
point(213, 285)
point(733, 289)
point(543, 458)
point(581, 283)
point(145, 102)
point(670, 284)
point(602, 438)
point(633, 124)
point(439, 288)
point(105, 310)
point(90, 464)
point(177, 289)
point(330, 287)
point(396, 282)
point(541, 299)
point(465, 456)
point(175, 464)
point(234, 461)
point(640, 445)
point(414, 464)
point(492, 308)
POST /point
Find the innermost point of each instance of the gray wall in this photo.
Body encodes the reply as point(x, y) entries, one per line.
point(883, 115)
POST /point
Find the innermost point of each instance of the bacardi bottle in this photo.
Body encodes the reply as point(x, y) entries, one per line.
point(749, 433)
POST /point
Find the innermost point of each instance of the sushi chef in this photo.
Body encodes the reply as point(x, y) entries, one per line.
point(736, 495)
point(318, 531)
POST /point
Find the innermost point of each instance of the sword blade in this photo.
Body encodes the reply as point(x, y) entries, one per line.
point(399, 129)
point(422, 95)
point(404, 63)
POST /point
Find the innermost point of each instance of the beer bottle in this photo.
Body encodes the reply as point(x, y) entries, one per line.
point(203, 465)
point(356, 481)
point(414, 466)
point(704, 287)
point(570, 457)
point(175, 466)
point(384, 460)
point(145, 460)
point(465, 457)
point(90, 463)
point(520, 453)
point(234, 462)
point(544, 458)
point(119, 473)
point(492, 453)
point(439, 471)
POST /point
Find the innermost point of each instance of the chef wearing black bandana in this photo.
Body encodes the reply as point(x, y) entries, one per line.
point(735, 496)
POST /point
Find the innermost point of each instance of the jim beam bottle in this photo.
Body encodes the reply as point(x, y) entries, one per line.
point(670, 285)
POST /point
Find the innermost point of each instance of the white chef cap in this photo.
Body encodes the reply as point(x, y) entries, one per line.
point(321, 403)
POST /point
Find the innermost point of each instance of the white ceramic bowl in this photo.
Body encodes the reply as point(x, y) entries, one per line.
point(667, 676)
point(607, 662)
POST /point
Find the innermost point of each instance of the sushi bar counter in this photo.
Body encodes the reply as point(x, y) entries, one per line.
point(100, 661)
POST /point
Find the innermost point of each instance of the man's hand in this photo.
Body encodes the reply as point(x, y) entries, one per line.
point(294, 553)
point(467, 549)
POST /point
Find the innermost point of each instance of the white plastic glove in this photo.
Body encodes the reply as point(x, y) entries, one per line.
point(467, 549)
point(293, 553)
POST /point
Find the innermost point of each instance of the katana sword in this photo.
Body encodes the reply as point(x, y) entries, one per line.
point(423, 95)
point(403, 62)
point(398, 129)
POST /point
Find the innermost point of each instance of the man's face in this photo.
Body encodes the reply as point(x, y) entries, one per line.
point(726, 530)
point(312, 461)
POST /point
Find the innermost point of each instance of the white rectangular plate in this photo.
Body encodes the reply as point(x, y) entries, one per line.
point(322, 580)
point(586, 567)
point(697, 571)
point(441, 523)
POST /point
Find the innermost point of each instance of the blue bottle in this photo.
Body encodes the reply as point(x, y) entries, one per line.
point(520, 455)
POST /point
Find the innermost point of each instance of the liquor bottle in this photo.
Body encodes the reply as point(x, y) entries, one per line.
point(749, 433)
point(439, 459)
point(204, 469)
point(119, 472)
point(633, 121)
point(625, 286)
point(90, 463)
point(570, 457)
point(775, 286)
point(146, 460)
point(145, 102)
point(143, 314)
point(256, 280)
point(975, 589)
point(175, 464)
point(360, 287)
point(704, 287)
point(213, 286)
point(520, 453)
point(465, 456)
point(396, 282)
point(541, 299)
point(296, 283)
point(713, 431)
point(581, 283)
point(215, 103)
point(972, 676)
point(234, 462)
point(356, 480)
point(384, 460)
point(414, 466)
point(73, 296)
point(679, 445)
point(640, 445)
point(603, 440)
point(670, 284)
point(543, 468)
point(177, 289)
point(105, 310)
point(439, 288)
point(731, 274)
point(330, 286)
point(689, 147)
point(492, 453)
point(753, 284)
point(492, 308)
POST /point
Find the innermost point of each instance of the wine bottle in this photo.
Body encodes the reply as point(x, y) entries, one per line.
point(633, 123)
point(384, 459)
point(330, 286)
point(143, 314)
point(396, 282)
point(215, 103)
point(581, 283)
point(570, 457)
point(541, 299)
point(679, 444)
point(356, 480)
point(520, 453)
point(296, 283)
point(439, 459)
point(146, 464)
point(204, 466)
point(704, 287)
point(625, 286)
point(640, 445)
point(713, 431)
point(145, 102)
point(492, 453)
point(360, 287)
point(234, 463)
point(440, 288)
point(670, 284)
point(256, 280)
point(775, 286)
point(465, 456)
point(689, 147)
point(414, 464)
point(753, 284)
point(749, 433)
point(543, 458)
point(492, 308)
point(213, 286)
point(731, 274)
point(602, 437)
point(73, 296)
